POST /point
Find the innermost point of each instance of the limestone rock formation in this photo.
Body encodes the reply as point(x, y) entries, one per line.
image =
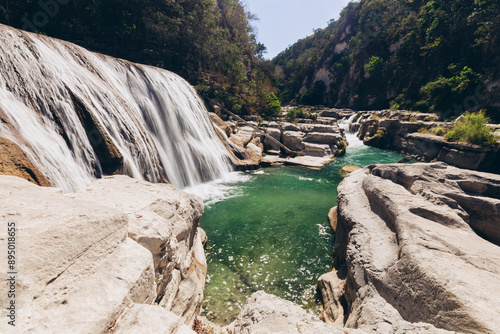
point(420, 248)
point(398, 130)
point(165, 221)
point(267, 314)
point(241, 143)
point(312, 145)
point(84, 258)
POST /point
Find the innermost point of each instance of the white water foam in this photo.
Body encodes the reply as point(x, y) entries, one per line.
point(221, 189)
point(154, 117)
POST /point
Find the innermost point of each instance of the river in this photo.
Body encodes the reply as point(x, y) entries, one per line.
point(268, 230)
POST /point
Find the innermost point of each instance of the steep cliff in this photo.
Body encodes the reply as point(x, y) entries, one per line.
point(422, 55)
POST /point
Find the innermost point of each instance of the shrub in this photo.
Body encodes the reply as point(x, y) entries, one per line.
point(439, 131)
point(472, 128)
point(441, 93)
point(342, 146)
point(273, 106)
point(379, 139)
point(295, 113)
point(375, 65)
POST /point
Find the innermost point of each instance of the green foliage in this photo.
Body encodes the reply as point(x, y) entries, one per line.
point(472, 129)
point(379, 139)
point(375, 65)
point(314, 95)
point(295, 113)
point(208, 42)
point(406, 48)
point(439, 131)
point(439, 94)
point(273, 106)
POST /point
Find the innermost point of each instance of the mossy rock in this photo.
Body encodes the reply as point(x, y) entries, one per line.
point(379, 139)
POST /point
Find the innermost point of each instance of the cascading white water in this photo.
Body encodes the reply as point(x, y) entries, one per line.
point(153, 117)
point(351, 137)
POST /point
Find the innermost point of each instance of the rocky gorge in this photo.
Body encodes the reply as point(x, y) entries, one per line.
point(417, 246)
point(416, 251)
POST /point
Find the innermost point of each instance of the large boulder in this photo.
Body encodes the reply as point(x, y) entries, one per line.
point(267, 314)
point(84, 258)
point(293, 140)
point(270, 145)
point(77, 269)
point(419, 246)
point(165, 221)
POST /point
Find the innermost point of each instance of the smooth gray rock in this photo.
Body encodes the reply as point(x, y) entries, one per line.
point(323, 138)
point(76, 267)
point(293, 140)
point(419, 244)
point(271, 145)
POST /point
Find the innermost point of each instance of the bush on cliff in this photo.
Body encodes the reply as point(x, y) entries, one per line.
point(472, 128)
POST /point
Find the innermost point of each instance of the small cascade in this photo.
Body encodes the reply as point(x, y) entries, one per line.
point(79, 115)
point(350, 133)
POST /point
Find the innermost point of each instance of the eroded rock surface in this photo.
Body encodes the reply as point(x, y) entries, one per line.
point(83, 259)
point(267, 314)
point(165, 221)
point(399, 130)
point(419, 246)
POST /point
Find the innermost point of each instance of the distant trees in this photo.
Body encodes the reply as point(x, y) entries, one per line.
point(419, 55)
point(209, 42)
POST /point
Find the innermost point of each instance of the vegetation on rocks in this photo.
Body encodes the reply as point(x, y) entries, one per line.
point(438, 55)
point(472, 128)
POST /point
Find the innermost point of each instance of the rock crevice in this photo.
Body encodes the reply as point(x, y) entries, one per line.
point(407, 241)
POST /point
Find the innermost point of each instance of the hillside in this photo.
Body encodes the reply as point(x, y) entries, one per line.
point(440, 56)
point(210, 43)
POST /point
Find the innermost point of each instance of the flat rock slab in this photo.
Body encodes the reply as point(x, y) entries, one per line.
point(350, 169)
point(420, 246)
point(76, 267)
point(309, 161)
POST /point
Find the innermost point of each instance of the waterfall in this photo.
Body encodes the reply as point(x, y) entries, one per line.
point(351, 137)
point(79, 115)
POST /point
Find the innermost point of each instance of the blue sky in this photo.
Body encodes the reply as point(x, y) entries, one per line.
point(283, 22)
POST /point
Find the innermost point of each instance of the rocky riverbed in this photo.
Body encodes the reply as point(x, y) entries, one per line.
point(417, 251)
point(307, 144)
point(406, 132)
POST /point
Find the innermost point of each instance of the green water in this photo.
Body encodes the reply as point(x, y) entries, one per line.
point(274, 235)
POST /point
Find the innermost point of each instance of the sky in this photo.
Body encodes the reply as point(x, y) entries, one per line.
point(283, 22)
